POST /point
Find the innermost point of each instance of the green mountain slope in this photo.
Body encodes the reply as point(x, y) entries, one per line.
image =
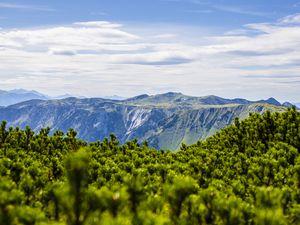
point(188, 126)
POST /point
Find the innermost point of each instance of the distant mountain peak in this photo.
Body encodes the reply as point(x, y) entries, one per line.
point(139, 97)
point(19, 95)
point(272, 101)
point(24, 91)
point(171, 94)
point(287, 104)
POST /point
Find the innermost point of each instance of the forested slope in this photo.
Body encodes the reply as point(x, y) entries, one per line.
point(248, 173)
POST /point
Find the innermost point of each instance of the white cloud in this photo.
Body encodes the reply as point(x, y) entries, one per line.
point(291, 19)
point(102, 58)
point(6, 5)
point(165, 36)
point(210, 6)
point(237, 10)
point(102, 24)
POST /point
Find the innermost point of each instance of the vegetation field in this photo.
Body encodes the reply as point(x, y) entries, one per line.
point(248, 173)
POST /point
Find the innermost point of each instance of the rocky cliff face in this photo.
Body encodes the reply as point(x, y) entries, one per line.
point(165, 121)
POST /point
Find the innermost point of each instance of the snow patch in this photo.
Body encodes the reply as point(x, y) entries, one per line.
point(22, 119)
point(96, 125)
point(136, 118)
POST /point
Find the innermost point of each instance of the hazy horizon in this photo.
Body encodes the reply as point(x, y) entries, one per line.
point(104, 48)
point(118, 97)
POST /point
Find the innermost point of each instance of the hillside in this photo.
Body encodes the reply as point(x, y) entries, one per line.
point(165, 120)
point(247, 173)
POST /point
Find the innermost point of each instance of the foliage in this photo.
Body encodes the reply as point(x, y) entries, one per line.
point(248, 173)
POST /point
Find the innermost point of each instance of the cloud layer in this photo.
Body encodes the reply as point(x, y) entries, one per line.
point(97, 58)
point(5, 5)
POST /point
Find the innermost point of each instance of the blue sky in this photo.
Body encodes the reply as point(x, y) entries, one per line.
point(230, 48)
point(217, 13)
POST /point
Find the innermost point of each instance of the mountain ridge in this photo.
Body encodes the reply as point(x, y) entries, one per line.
point(164, 120)
point(19, 95)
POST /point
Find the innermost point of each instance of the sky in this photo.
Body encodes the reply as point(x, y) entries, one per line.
point(229, 48)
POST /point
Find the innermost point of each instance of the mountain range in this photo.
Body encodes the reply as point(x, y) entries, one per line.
point(164, 120)
point(19, 95)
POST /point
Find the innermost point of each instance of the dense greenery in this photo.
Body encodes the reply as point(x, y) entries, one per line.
point(248, 173)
